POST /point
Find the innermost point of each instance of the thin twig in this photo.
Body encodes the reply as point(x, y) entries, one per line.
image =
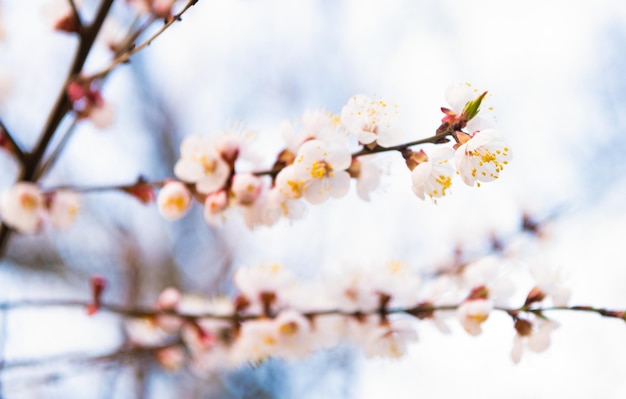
point(125, 352)
point(76, 15)
point(415, 310)
point(125, 57)
point(62, 106)
point(15, 147)
point(52, 158)
point(270, 172)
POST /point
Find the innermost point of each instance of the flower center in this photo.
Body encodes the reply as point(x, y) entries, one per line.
point(321, 169)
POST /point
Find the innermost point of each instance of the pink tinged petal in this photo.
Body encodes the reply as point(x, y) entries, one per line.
point(339, 185)
point(539, 341)
point(21, 207)
point(311, 150)
point(478, 123)
point(317, 191)
point(368, 180)
point(420, 176)
point(63, 209)
point(366, 137)
point(387, 137)
point(187, 170)
point(518, 348)
point(458, 95)
point(339, 158)
point(174, 200)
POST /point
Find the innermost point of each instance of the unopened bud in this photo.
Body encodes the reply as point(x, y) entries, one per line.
point(523, 327)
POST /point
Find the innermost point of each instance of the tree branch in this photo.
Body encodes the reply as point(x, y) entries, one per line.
point(15, 147)
point(61, 107)
point(125, 57)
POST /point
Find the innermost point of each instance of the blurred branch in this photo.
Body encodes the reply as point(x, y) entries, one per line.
point(52, 158)
point(76, 14)
point(420, 311)
point(125, 57)
point(62, 106)
point(14, 146)
point(122, 354)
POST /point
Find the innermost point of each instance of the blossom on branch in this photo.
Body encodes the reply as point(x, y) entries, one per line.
point(322, 167)
point(472, 313)
point(370, 120)
point(174, 200)
point(22, 207)
point(201, 163)
point(482, 156)
point(63, 206)
point(464, 112)
point(433, 177)
point(533, 334)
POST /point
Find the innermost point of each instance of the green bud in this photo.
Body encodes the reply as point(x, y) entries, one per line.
point(473, 107)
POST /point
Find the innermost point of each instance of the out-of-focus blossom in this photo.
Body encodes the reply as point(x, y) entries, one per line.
point(390, 340)
point(22, 207)
point(550, 281)
point(370, 120)
point(174, 200)
point(201, 163)
point(367, 175)
point(535, 335)
point(88, 103)
point(473, 313)
point(214, 206)
point(246, 188)
point(62, 208)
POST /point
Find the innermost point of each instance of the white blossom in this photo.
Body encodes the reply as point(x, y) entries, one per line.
point(174, 200)
point(323, 169)
point(390, 340)
point(370, 120)
point(246, 188)
point(457, 96)
point(482, 157)
point(279, 205)
point(367, 175)
point(63, 208)
point(22, 207)
point(320, 124)
point(201, 163)
point(215, 205)
point(265, 282)
point(434, 177)
point(550, 280)
point(537, 339)
point(473, 313)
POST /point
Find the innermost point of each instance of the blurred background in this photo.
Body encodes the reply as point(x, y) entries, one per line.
point(555, 71)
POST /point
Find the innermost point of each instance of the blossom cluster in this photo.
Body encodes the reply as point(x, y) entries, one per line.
point(26, 208)
point(324, 152)
point(375, 310)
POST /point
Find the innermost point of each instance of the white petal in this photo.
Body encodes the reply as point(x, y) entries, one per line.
point(317, 191)
point(339, 184)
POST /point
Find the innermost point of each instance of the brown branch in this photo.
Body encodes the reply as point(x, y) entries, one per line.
point(14, 146)
point(125, 57)
point(125, 352)
point(420, 311)
point(62, 106)
point(76, 15)
point(270, 172)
